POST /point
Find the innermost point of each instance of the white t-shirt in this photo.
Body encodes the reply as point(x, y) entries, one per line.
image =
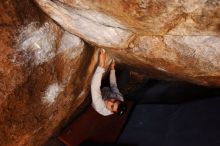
point(97, 99)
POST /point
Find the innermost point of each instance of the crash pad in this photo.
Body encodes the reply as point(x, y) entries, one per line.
point(91, 126)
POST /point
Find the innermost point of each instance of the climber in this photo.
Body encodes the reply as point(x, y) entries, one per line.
point(108, 100)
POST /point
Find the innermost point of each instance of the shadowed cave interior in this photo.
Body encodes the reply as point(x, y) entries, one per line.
point(160, 101)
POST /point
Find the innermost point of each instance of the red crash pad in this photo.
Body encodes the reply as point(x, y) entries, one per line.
point(90, 125)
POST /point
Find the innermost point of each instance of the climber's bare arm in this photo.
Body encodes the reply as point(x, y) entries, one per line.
point(113, 82)
point(112, 78)
point(113, 64)
point(102, 58)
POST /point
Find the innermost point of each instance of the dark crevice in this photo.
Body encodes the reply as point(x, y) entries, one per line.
point(144, 90)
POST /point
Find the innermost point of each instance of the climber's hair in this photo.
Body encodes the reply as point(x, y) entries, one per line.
point(122, 107)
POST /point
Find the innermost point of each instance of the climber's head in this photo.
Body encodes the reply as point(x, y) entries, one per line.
point(116, 106)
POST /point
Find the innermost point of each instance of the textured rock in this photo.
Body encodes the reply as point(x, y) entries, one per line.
point(38, 68)
point(179, 39)
point(49, 52)
point(93, 26)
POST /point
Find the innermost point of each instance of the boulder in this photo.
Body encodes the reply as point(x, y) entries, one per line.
point(49, 50)
point(174, 39)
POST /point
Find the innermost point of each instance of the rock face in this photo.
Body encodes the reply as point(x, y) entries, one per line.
point(179, 39)
point(49, 52)
point(85, 24)
point(44, 73)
